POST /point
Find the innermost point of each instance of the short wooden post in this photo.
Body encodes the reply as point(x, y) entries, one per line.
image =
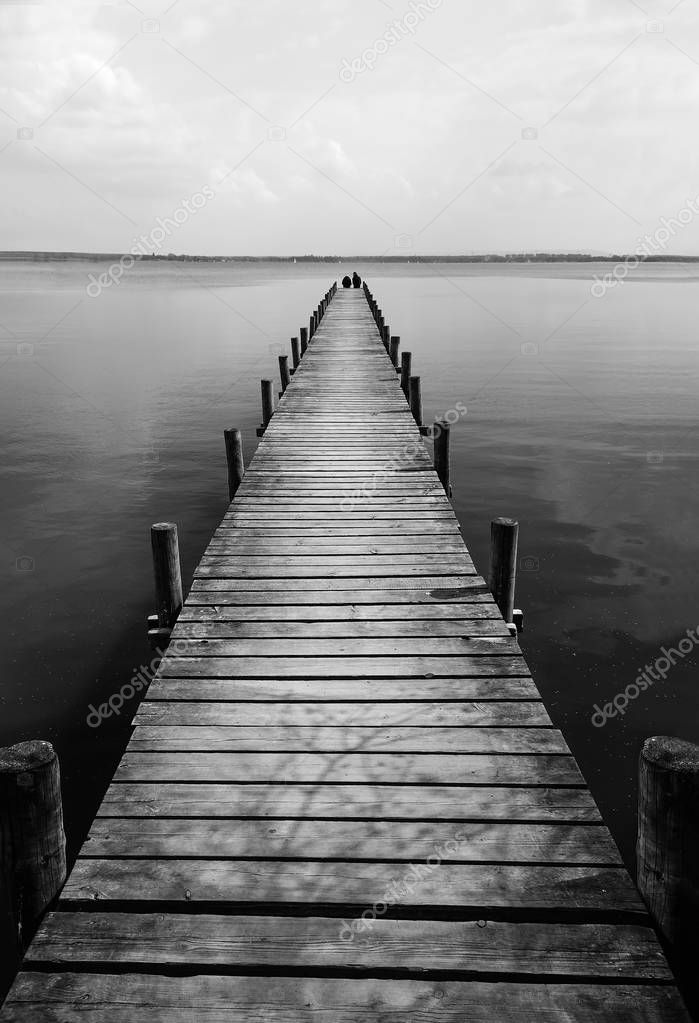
point(393, 351)
point(667, 850)
point(304, 340)
point(284, 371)
point(267, 402)
point(503, 564)
point(234, 457)
point(405, 370)
point(442, 433)
point(415, 392)
point(32, 840)
point(167, 572)
point(386, 336)
point(295, 356)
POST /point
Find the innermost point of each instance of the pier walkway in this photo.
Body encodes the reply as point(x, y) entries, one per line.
point(344, 799)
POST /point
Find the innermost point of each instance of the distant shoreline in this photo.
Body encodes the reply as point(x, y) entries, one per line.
point(524, 257)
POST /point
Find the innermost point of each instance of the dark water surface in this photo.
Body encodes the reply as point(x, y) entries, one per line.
point(582, 422)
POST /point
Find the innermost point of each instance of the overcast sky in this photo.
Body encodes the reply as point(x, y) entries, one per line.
point(509, 125)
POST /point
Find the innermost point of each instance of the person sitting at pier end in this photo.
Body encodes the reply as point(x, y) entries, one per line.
point(347, 282)
point(356, 280)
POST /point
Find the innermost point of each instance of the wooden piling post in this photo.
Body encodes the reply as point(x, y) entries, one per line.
point(415, 392)
point(442, 433)
point(284, 371)
point(667, 850)
point(386, 336)
point(503, 564)
point(405, 370)
point(234, 457)
point(295, 356)
point(304, 340)
point(32, 840)
point(393, 350)
point(311, 327)
point(167, 572)
point(267, 405)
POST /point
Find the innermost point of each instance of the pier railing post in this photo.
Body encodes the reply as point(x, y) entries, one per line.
point(167, 573)
point(284, 372)
point(303, 332)
point(405, 370)
point(267, 405)
point(415, 392)
point(503, 564)
point(295, 356)
point(667, 850)
point(234, 457)
point(441, 433)
point(32, 840)
point(393, 352)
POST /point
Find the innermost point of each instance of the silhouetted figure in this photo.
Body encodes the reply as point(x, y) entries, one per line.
point(356, 280)
point(346, 282)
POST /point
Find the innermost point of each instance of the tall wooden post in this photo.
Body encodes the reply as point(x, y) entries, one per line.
point(386, 338)
point(267, 389)
point(295, 356)
point(503, 564)
point(32, 841)
point(304, 340)
point(415, 393)
point(234, 457)
point(311, 327)
point(393, 351)
point(284, 371)
point(441, 454)
point(167, 572)
point(667, 850)
point(405, 370)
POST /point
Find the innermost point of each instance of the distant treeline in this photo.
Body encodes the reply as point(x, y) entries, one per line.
point(510, 257)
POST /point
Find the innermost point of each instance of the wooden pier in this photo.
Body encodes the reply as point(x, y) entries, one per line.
point(344, 799)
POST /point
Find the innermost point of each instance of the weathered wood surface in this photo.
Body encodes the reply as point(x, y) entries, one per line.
point(344, 799)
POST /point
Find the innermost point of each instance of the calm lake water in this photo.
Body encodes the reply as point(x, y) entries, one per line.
point(582, 418)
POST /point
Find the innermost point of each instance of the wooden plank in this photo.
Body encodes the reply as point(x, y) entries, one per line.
point(215, 596)
point(320, 739)
point(452, 888)
point(372, 647)
point(437, 585)
point(320, 802)
point(352, 841)
point(339, 667)
point(362, 768)
point(346, 629)
point(623, 953)
point(485, 689)
point(145, 998)
point(364, 715)
point(398, 615)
